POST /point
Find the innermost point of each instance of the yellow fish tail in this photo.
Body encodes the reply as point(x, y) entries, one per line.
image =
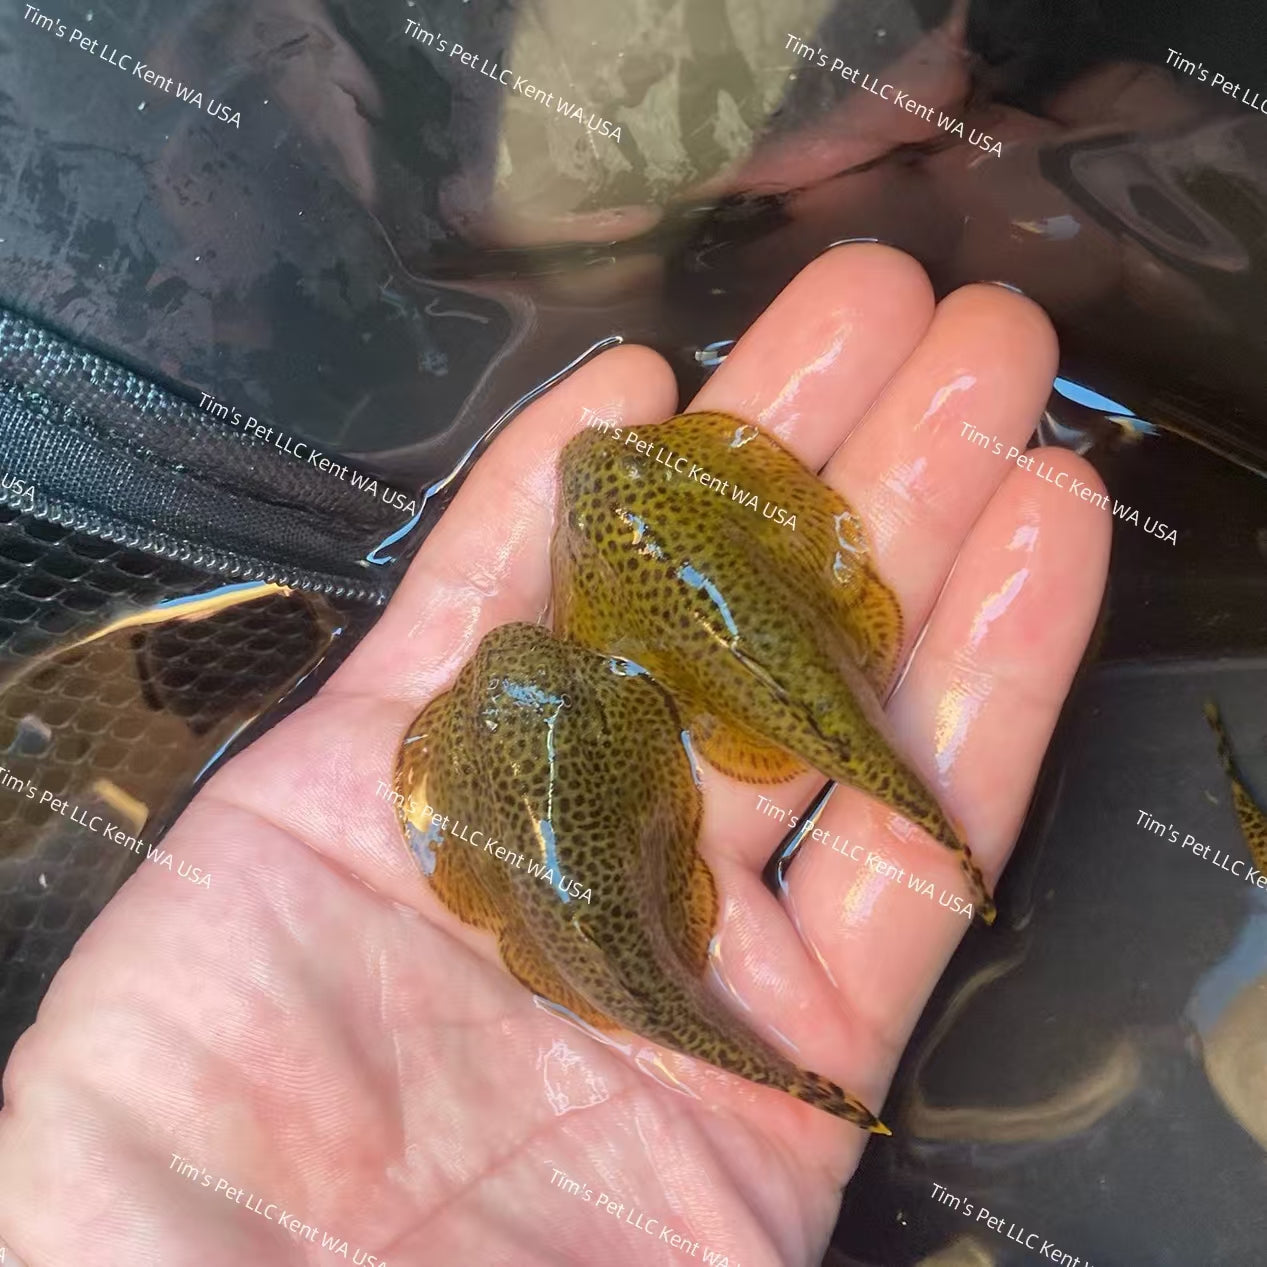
point(1252, 819)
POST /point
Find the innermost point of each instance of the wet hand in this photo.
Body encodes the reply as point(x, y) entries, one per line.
point(317, 1030)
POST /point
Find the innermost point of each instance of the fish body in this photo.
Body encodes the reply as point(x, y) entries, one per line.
point(1252, 819)
point(777, 642)
point(550, 798)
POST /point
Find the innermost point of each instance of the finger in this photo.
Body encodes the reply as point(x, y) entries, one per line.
point(768, 961)
point(989, 356)
point(1001, 650)
point(488, 559)
point(811, 364)
point(974, 714)
point(915, 468)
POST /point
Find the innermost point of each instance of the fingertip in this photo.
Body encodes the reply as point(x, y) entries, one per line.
point(808, 369)
point(864, 264)
point(1073, 497)
point(634, 366)
point(1028, 335)
point(629, 385)
point(486, 561)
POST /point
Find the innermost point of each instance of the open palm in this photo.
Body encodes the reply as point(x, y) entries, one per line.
point(318, 1031)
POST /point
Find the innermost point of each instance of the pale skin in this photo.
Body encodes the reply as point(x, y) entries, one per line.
point(317, 1030)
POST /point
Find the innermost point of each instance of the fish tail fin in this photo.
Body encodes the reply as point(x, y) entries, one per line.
point(754, 1060)
point(873, 766)
point(824, 1094)
point(946, 832)
point(1221, 741)
point(980, 889)
point(687, 1017)
point(925, 812)
point(723, 1040)
point(1252, 819)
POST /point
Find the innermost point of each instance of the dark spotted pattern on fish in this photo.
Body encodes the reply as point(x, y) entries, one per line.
point(576, 764)
point(777, 642)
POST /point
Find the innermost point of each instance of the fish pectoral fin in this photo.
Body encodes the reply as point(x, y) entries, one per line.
point(867, 607)
point(472, 890)
point(874, 619)
point(477, 892)
point(736, 751)
point(525, 962)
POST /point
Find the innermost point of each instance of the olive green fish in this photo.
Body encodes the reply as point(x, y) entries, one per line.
point(549, 797)
point(703, 550)
point(1252, 819)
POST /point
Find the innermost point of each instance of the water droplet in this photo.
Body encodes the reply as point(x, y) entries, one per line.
point(847, 532)
point(1058, 228)
point(626, 668)
point(422, 846)
point(714, 354)
point(743, 435)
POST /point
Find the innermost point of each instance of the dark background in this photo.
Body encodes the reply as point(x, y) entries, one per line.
point(326, 267)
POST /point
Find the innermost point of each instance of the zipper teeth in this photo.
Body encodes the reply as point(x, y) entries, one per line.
point(223, 562)
point(91, 376)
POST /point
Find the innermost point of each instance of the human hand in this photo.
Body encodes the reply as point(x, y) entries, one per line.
point(320, 1032)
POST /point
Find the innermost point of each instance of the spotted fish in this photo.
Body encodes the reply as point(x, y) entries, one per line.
point(550, 798)
point(778, 641)
point(1252, 819)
